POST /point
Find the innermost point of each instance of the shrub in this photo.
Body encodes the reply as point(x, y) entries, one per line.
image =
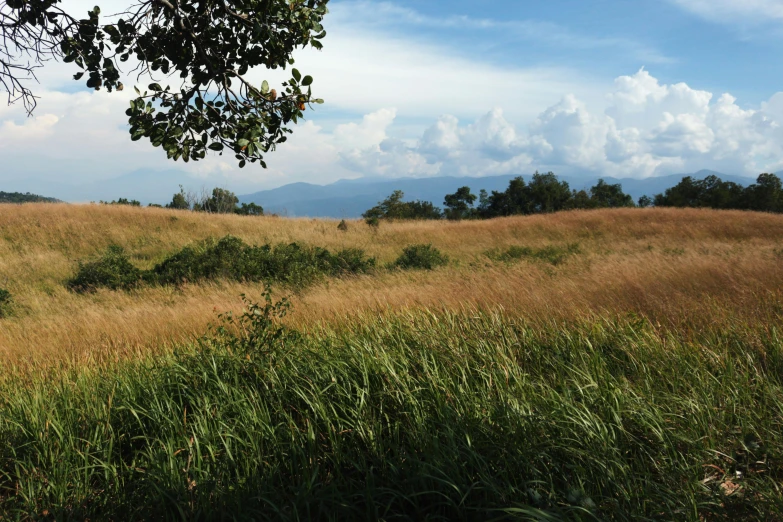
point(5, 302)
point(352, 260)
point(113, 270)
point(228, 258)
point(342, 226)
point(374, 222)
point(231, 258)
point(420, 256)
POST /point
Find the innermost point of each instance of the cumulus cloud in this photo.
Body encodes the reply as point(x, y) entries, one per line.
point(646, 129)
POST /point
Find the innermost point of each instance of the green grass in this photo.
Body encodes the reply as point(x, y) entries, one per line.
point(439, 416)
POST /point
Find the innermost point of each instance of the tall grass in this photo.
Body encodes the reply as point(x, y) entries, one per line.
point(673, 266)
point(409, 416)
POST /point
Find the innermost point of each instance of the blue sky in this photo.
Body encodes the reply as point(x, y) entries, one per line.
point(607, 38)
point(627, 88)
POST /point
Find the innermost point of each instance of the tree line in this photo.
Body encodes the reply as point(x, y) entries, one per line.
point(545, 193)
point(25, 197)
point(219, 201)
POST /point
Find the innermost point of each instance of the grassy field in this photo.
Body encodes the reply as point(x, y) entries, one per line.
point(619, 364)
point(677, 267)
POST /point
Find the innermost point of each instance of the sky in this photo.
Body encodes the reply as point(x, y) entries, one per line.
point(417, 88)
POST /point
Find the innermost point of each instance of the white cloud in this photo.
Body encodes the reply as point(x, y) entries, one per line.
point(646, 129)
point(471, 117)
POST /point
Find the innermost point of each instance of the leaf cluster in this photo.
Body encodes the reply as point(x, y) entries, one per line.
point(394, 208)
point(766, 195)
point(208, 46)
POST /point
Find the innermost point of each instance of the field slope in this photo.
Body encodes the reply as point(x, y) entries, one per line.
point(679, 267)
point(603, 365)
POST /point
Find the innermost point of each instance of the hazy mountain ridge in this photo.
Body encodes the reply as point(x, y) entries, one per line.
point(346, 198)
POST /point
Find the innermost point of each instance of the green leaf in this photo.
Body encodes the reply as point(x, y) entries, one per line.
point(242, 164)
point(78, 76)
point(243, 142)
point(265, 87)
point(307, 80)
point(296, 74)
point(319, 101)
point(216, 146)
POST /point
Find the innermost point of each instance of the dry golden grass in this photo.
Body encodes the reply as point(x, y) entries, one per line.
point(677, 267)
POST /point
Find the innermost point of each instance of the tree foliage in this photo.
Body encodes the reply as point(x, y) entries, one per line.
point(460, 204)
point(766, 195)
point(545, 193)
point(123, 201)
point(394, 208)
point(25, 197)
point(205, 46)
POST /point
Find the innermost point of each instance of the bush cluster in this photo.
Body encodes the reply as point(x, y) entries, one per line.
point(424, 257)
point(228, 258)
point(113, 270)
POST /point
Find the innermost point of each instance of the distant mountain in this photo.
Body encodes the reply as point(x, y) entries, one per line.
point(342, 199)
point(350, 198)
point(145, 185)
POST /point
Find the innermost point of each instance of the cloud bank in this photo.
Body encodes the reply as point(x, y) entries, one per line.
point(646, 129)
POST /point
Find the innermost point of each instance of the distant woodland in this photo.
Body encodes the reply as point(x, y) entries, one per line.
point(26, 197)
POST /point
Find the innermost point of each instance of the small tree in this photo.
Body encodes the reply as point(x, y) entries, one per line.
point(645, 201)
point(460, 204)
point(604, 195)
point(547, 194)
point(250, 209)
point(222, 201)
point(342, 226)
point(179, 201)
point(394, 208)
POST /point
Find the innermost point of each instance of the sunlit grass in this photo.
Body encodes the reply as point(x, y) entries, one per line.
point(415, 415)
point(673, 266)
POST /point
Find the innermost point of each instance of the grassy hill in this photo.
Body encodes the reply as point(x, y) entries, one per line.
point(617, 364)
point(670, 265)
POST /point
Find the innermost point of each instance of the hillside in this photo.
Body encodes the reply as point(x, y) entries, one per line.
point(672, 265)
point(603, 365)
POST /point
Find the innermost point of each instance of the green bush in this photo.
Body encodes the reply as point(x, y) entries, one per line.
point(5, 302)
point(420, 257)
point(113, 270)
point(373, 222)
point(343, 226)
point(550, 254)
point(228, 258)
